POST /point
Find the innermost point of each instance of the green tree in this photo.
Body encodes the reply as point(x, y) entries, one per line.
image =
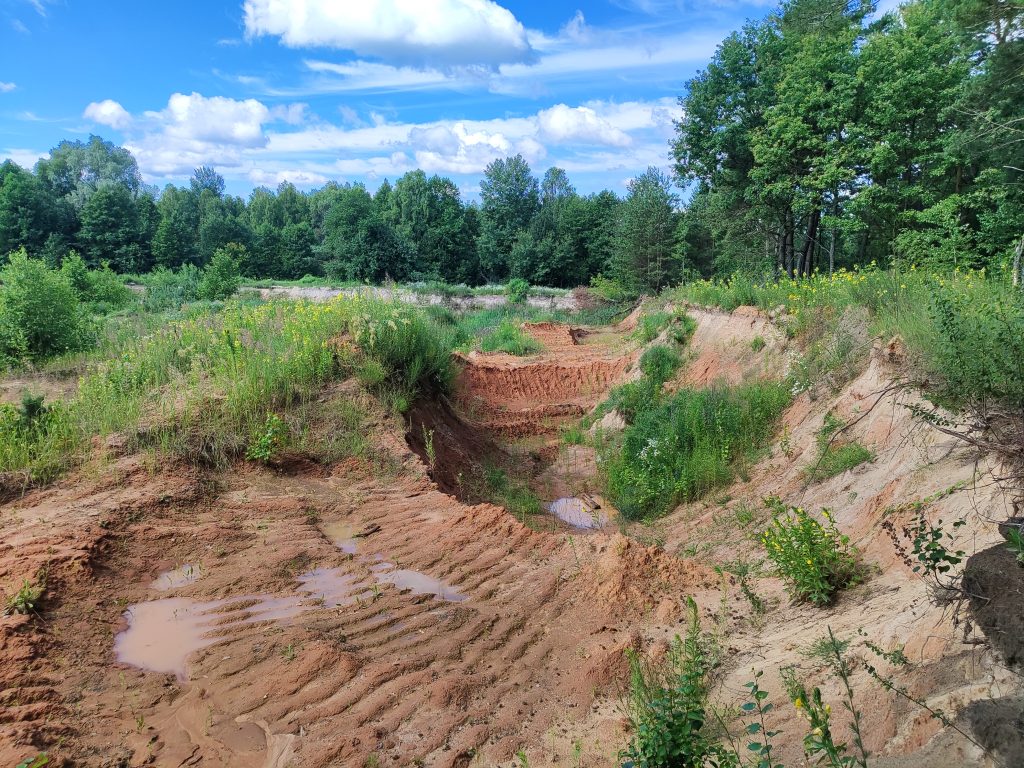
point(26, 210)
point(221, 276)
point(510, 198)
point(645, 258)
point(111, 230)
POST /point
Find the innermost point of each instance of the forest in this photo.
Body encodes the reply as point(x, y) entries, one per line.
point(819, 137)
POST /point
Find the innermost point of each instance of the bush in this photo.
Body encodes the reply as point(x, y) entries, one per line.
point(510, 338)
point(650, 325)
point(631, 398)
point(107, 291)
point(678, 449)
point(40, 315)
point(682, 329)
point(222, 275)
point(660, 363)
point(517, 290)
point(169, 290)
point(814, 558)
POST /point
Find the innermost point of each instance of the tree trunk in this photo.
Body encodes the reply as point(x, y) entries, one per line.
point(811, 238)
point(1018, 265)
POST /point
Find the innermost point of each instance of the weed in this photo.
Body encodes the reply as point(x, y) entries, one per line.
point(508, 337)
point(1016, 540)
point(372, 761)
point(835, 459)
point(667, 705)
point(758, 343)
point(650, 325)
point(756, 705)
point(660, 363)
point(288, 652)
point(26, 600)
point(743, 570)
point(573, 434)
point(934, 558)
point(428, 444)
point(522, 761)
point(268, 440)
point(814, 558)
point(35, 762)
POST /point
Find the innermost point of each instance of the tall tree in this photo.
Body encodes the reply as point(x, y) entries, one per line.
point(510, 198)
point(645, 257)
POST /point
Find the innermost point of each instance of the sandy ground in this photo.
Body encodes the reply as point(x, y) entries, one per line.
point(353, 617)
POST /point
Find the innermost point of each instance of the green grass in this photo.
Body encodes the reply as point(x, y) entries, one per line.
point(679, 448)
point(660, 363)
point(202, 386)
point(510, 338)
point(512, 493)
point(834, 457)
point(964, 331)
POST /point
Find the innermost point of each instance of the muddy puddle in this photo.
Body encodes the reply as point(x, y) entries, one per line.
point(579, 513)
point(181, 576)
point(343, 535)
point(420, 584)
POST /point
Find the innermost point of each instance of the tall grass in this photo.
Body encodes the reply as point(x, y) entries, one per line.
point(690, 443)
point(964, 330)
point(202, 385)
point(508, 337)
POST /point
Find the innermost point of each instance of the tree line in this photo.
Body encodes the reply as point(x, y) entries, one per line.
point(817, 137)
point(88, 197)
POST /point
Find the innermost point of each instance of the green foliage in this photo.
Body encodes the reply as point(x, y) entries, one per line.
point(1016, 544)
point(679, 448)
point(660, 363)
point(650, 325)
point(102, 290)
point(517, 290)
point(38, 761)
point(510, 338)
point(268, 440)
point(26, 600)
point(166, 289)
point(814, 558)
point(757, 705)
point(512, 493)
point(934, 558)
point(222, 276)
point(39, 311)
point(757, 343)
point(667, 706)
point(682, 328)
point(833, 458)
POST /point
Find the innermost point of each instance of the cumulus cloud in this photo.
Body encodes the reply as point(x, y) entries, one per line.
point(108, 112)
point(214, 120)
point(562, 123)
point(420, 32)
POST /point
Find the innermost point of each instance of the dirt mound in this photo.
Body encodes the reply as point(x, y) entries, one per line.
point(727, 348)
point(994, 583)
point(519, 397)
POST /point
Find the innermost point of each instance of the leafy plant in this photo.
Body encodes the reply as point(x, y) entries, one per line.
point(221, 277)
point(667, 706)
point(757, 343)
point(758, 729)
point(35, 762)
point(934, 558)
point(659, 363)
point(26, 599)
point(268, 440)
point(1016, 540)
point(814, 558)
point(517, 290)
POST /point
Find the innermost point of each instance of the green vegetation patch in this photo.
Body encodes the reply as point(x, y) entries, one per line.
point(687, 444)
point(509, 337)
point(834, 458)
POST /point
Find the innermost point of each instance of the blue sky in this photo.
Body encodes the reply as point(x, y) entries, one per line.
point(356, 90)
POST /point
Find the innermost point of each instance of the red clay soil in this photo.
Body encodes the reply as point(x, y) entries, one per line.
point(517, 397)
point(310, 649)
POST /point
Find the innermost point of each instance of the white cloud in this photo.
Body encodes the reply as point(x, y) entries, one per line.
point(108, 112)
point(7, 87)
point(564, 124)
point(26, 158)
point(254, 143)
point(441, 32)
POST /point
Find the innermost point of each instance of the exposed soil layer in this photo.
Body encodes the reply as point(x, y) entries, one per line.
point(346, 614)
point(517, 397)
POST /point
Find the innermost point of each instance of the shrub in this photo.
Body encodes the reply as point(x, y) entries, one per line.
point(517, 290)
point(169, 290)
point(814, 558)
point(509, 337)
point(39, 311)
point(107, 291)
point(667, 706)
point(631, 398)
point(679, 448)
point(650, 325)
point(682, 329)
point(833, 458)
point(268, 440)
point(222, 275)
point(660, 363)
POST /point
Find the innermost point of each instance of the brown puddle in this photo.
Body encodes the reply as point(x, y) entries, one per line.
point(419, 583)
point(578, 513)
point(177, 577)
point(342, 535)
point(162, 634)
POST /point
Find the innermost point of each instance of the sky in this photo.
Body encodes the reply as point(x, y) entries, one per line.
point(310, 91)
